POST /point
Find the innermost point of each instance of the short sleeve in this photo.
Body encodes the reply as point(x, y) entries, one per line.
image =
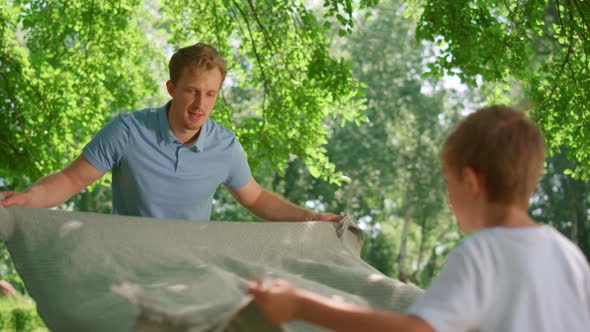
point(239, 172)
point(455, 299)
point(107, 147)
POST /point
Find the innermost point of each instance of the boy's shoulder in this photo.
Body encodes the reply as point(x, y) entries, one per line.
point(528, 239)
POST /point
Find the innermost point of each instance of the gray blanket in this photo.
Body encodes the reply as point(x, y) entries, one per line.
point(96, 272)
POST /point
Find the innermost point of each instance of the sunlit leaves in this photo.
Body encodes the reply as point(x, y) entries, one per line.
point(543, 44)
point(70, 65)
point(282, 85)
point(67, 66)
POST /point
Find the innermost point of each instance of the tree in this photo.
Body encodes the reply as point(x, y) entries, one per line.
point(62, 72)
point(545, 45)
point(563, 202)
point(68, 66)
point(391, 160)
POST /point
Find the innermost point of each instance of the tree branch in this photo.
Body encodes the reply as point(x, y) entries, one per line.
point(268, 38)
point(259, 61)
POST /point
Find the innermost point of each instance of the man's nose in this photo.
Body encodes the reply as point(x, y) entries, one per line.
point(198, 101)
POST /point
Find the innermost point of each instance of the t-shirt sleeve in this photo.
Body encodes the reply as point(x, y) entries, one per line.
point(239, 172)
point(455, 299)
point(107, 147)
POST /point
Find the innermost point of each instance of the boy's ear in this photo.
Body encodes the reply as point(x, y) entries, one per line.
point(474, 180)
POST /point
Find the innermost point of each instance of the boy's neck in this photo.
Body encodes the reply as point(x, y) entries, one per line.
point(500, 215)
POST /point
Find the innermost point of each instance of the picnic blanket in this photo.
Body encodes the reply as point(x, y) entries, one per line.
point(97, 272)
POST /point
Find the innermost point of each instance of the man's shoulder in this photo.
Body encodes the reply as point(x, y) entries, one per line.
point(146, 115)
point(219, 132)
point(139, 120)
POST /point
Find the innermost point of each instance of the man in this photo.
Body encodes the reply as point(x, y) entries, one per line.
point(167, 162)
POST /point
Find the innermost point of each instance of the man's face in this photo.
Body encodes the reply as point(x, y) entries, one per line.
point(193, 97)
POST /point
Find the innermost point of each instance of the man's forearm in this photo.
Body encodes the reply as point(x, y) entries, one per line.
point(50, 191)
point(272, 207)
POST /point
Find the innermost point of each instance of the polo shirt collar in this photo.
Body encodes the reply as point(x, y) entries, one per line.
point(167, 136)
point(202, 139)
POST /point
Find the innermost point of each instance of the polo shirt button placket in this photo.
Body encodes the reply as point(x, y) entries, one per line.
point(178, 151)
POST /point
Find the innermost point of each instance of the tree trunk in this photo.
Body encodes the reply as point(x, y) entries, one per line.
point(401, 258)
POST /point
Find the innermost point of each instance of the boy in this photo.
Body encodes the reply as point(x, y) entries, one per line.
point(511, 274)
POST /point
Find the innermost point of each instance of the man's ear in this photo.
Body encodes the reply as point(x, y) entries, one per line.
point(474, 180)
point(170, 87)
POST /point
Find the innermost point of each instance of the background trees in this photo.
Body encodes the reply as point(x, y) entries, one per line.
point(543, 45)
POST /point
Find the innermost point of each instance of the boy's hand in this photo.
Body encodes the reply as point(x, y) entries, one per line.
point(278, 300)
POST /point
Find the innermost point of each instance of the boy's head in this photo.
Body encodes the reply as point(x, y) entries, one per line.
point(502, 148)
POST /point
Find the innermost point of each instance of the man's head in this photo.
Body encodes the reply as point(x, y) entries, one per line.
point(199, 55)
point(196, 75)
point(495, 151)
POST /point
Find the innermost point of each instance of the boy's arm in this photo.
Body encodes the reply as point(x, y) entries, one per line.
point(343, 317)
point(281, 302)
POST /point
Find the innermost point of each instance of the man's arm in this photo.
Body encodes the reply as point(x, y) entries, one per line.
point(280, 302)
point(56, 188)
point(269, 206)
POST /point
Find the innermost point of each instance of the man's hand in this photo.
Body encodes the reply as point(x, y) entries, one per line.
point(327, 217)
point(13, 198)
point(278, 301)
point(269, 206)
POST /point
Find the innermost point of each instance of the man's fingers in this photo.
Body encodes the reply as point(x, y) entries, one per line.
point(329, 217)
point(9, 199)
point(4, 195)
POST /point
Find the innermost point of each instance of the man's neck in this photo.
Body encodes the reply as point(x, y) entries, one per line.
point(184, 136)
point(187, 137)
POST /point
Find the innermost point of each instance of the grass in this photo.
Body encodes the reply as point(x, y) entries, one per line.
point(18, 314)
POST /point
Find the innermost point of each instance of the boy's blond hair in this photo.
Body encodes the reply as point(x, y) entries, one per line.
point(200, 55)
point(504, 147)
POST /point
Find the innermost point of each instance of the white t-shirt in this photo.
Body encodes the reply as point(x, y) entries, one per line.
point(510, 279)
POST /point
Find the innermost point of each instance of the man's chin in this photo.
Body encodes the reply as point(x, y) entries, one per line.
point(193, 126)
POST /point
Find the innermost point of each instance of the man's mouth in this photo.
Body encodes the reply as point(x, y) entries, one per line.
point(195, 116)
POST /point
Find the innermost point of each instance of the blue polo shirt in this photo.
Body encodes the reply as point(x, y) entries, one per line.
point(155, 175)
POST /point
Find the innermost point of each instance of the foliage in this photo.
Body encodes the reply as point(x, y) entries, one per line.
point(68, 66)
point(282, 59)
point(19, 314)
point(391, 160)
point(8, 271)
point(563, 202)
point(543, 44)
point(65, 67)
